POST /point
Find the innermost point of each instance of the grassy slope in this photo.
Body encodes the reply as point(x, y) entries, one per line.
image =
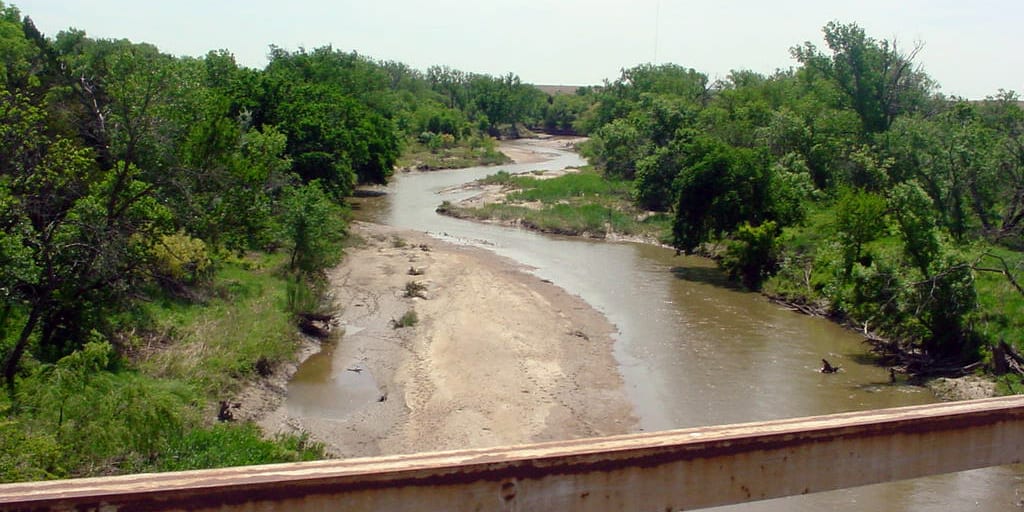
point(218, 342)
point(150, 410)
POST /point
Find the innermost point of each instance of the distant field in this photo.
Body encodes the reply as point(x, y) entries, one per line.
point(555, 90)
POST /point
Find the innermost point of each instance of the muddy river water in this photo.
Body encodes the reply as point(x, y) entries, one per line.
point(695, 350)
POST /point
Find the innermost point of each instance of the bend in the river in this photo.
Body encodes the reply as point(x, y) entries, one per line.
point(694, 349)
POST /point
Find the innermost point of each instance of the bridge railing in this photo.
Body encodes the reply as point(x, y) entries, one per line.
point(673, 470)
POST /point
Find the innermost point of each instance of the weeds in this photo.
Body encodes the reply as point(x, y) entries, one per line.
point(224, 340)
point(415, 289)
point(583, 203)
point(409, 319)
point(471, 152)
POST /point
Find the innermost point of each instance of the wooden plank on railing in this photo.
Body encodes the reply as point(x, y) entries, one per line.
point(673, 470)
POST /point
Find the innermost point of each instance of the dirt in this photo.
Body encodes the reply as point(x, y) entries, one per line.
point(498, 356)
point(523, 152)
point(971, 387)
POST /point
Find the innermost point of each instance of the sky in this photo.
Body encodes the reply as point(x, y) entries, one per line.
point(972, 48)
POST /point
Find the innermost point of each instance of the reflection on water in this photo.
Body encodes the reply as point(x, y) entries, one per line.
point(696, 350)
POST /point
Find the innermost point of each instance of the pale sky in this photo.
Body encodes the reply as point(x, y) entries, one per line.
point(972, 47)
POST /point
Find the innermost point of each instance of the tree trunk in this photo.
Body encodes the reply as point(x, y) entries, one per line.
point(14, 357)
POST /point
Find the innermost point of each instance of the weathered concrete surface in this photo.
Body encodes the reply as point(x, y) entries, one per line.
point(681, 469)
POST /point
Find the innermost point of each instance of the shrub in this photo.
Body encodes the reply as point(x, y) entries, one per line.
point(751, 256)
point(415, 289)
point(409, 319)
point(181, 258)
point(313, 227)
point(26, 455)
point(98, 415)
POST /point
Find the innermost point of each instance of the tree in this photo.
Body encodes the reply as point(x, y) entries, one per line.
point(76, 234)
point(616, 147)
point(752, 255)
point(859, 219)
point(879, 81)
point(16, 51)
point(958, 161)
point(915, 218)
point(313, 226)
point(335, 109)
point(720, 188)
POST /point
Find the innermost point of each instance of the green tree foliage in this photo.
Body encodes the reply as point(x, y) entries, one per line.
point(915, 219)
point(616, 147)
point(720, 188)
point(81, 234)
point(877, 79)
point(869, 179)
point(312, 226)
point(336, 110)
point(859, 219)
point(16, 51)
point(617, 100)
point(957, 160)
point(752, 255)
point(563, 111)
point(490, 102)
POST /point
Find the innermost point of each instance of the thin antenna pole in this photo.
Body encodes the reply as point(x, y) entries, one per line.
point(657, 26)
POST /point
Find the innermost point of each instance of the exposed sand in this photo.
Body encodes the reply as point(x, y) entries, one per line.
point(498, 356)
point(524, 151)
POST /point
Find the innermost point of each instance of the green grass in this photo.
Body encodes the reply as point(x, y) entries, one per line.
point(226, 445)
point(1000, 305)
point(409, 319)
point(582, 187)
point(218, 343)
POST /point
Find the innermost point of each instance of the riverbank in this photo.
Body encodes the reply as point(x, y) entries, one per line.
point(583, 204)
point(497, 356)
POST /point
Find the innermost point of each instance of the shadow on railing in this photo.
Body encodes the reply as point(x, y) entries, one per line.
point(673, 470)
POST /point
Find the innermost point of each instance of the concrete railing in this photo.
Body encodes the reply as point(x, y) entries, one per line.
point(680, 469)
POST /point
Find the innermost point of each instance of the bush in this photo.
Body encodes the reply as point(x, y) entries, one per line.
point(313, 227)
point(415, 289)
point(409, 319)
point(100, 417)
point(751, 256)
point(26, 455)
point(181, 258)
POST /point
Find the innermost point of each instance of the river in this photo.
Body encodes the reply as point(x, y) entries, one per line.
point(695, 350)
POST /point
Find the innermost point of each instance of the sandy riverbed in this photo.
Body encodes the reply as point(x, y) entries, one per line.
point(498, 356)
